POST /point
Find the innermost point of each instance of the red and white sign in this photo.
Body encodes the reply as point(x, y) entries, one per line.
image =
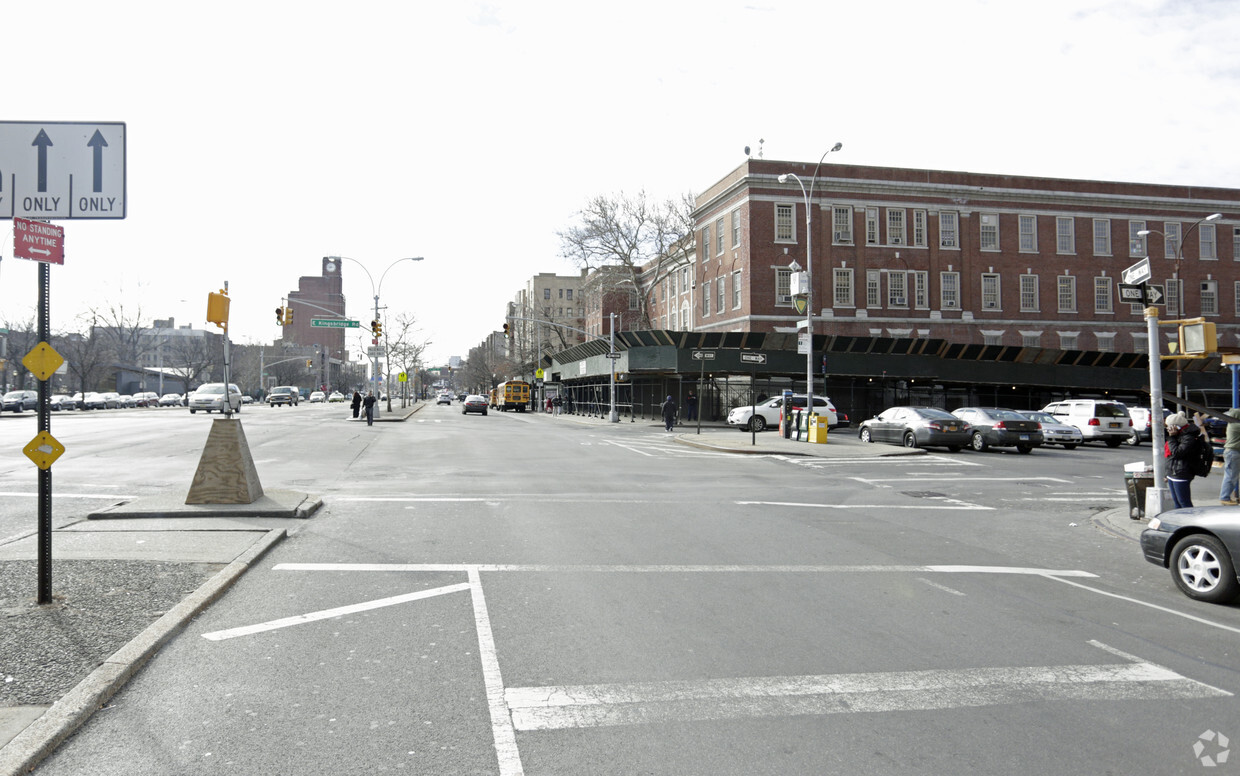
point(38, 241)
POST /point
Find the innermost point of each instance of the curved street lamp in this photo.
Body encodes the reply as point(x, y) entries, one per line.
point(1179, 248)
point(809, 278)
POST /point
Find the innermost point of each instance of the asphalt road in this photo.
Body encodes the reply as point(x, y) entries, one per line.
point(517, 594)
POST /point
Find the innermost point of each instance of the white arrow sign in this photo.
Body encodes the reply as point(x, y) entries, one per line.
point(1138, 273)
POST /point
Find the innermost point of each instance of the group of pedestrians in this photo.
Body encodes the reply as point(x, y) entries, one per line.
point(1190, 454)
point(368, 404)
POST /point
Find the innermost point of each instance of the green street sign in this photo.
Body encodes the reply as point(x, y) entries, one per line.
point(333, 323)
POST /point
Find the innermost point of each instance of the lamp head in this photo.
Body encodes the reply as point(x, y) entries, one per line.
point(783, 178)
point(1143, 232)
point(1214, 217)
point(837, 147)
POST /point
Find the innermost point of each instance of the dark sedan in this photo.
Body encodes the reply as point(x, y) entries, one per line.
point(474, 404)
point(916, 427)
point(1200, 545)
point(999, 427)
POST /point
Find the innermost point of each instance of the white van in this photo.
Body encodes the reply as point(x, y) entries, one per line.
point(1099, 420)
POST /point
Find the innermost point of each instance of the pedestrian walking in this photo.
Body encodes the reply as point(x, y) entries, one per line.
point(556, 403)
point(1229, 493)
point(357, 404)
point(369, 404)
point(691, 406)
point(1183, 451)
point(669, 412)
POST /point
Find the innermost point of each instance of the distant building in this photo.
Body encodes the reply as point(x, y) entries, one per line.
point(546, 315)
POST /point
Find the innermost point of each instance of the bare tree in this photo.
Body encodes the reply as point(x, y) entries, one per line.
point(21, 339)
point(404, 348)
point(191, 357)
point(125, 332)
point(87, 356)
point(636, 241)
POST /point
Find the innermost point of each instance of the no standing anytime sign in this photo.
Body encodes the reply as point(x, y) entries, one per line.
point(38, 241)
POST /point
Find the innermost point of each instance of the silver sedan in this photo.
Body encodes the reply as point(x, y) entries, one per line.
point(1055, 431)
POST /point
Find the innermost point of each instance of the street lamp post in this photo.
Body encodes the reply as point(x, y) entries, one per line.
point(374, 375)
point(809, 278)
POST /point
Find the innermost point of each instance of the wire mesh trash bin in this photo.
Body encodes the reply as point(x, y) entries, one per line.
point(1136, 484)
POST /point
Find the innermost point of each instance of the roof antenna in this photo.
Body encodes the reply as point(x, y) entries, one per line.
point(760, 142)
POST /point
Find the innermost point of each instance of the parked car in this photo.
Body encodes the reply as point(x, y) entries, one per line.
point(111, 400)
point(92, 401)
point(768, 411)
point(62, 401)
point(335, 396)
point(1055, 432)
point(444, 398)
point(170, 400)
point(209, 397)
point(146, 399)
point(474, 404)
point(283, 394)
point(19, 401)
point(125, 400)
point(1000, 427)
point(317, 397)
point(1098, 420)
point(916, 427)
point(1140, 431)
point(1200, 545)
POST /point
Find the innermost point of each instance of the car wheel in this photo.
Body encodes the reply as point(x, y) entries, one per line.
point(865, 435)
point(757, 423)
point(1133, 440)
point(484, 412)
point(192, 411)
point(1069, 447)
point(1024, 449)
point(1202, 569)
point(1113, 442)
point(910, 440)
point(978, 442)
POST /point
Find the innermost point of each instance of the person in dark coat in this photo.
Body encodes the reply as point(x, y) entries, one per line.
point(1184, 440)
point(357, 404)
point(369, 404)
point(669, 412)
point(691, 406)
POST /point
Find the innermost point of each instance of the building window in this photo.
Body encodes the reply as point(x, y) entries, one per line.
point(1140, 342)
point(919, 228)
point(1106, 342)
point(990, 292)
point(1031, 339)
point(1171, 240)
point(722, 291)
point(1066, 285)
point(949, 290)
point(921, 289)
point(1029, 293)
point(783, 287)
point(871, 226)
point(785, 231)
point(633, 300)
point(1209, 297)
point(841, 225)
point(895, 226)
point(897, 289)
point(873, 279)
point(704, 248)
point(948, 224)
point(719, 236)
point(1028, 234)
point(672, 280)
point(992, 338)
point(843, 288)
point(1068, 339)
point(989, 232)
point(1175, 297)
point(546, 293)
point(1102, 237)
point(1065, 235)
point(1235, 243)
point(705, 298)
point(736, 228)
point(1206, 246)
point(569, 294)
point(1102, 295)
point(684, 278)
point(1236, 291)
point(736, 290)
point(1136, 242)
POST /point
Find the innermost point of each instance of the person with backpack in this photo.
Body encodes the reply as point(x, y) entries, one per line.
point(1186, 451)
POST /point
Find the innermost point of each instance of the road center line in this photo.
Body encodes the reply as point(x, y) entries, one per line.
point(688, 569)
point(950, 504)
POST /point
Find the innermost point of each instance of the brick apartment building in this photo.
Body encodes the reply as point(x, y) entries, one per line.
point(962, 257)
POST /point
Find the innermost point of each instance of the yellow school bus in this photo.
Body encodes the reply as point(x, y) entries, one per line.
point(512, 395)
point(491, 398)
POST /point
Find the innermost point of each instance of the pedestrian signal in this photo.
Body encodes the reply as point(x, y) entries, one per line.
point(279, 316)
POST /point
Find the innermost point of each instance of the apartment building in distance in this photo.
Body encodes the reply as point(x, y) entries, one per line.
point(969, 258)
point(548, 312)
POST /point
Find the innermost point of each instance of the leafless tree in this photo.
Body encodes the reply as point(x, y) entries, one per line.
point(87, 356)
point(191, 357)
point(404, 348)
point(635, 240)
point(21, 339)
point(125, 332)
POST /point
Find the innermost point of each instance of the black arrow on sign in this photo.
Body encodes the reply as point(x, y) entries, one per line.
point(98, 144)
point(42, 141)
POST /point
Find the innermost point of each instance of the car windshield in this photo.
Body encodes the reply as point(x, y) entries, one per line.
point(13, 395)
point(211, 389)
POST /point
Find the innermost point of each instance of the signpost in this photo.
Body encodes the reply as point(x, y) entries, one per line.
point(62, 169)
point(333, 323)
point(702, 356)
point(753, 359)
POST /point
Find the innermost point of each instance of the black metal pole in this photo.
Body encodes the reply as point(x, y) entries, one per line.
point(45, 475)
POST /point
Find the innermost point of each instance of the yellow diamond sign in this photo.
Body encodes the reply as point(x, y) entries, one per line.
point(43, 450)
point(42, 361)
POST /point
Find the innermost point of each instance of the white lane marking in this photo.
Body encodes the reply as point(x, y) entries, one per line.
point(965, 479)
point(937, 586)
point(1185, 615)
point(581, 706)
point(631, 449)
point(540, 568)
point(497, 499)
point(502, 732)
point(68, 495)
point(325, 614)
point(949, 503)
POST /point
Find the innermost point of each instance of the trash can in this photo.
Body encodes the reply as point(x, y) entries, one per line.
point(1136, 484)
point(818, 429)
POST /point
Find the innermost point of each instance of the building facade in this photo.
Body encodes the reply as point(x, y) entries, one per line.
point(548, 314)
point(963, 257)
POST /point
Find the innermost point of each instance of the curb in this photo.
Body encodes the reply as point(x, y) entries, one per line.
point(64, 717)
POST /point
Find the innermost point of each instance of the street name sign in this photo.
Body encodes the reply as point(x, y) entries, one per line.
point(333, 323)
point(703, 355)
point(1138, 273)
point(62, 169)
point(753, 358)
point(38, 241)
point(1131, 294)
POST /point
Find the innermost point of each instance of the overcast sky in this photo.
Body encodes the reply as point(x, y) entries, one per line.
point(263, 136)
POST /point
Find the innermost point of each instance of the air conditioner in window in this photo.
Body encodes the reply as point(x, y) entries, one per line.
point(783, 299)
point(843, 237)
point(898, 301)
point(897, 240)
point(990, 305)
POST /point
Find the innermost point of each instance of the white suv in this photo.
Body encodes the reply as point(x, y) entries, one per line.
point(769, 409)
point(1098, 420)
point(210, 396)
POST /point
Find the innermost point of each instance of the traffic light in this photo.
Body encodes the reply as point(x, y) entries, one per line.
point(309, 363)
point(217, 309)
point(1198, 338)
point(378, 328)
point(288, 315)
point(374, 327)
point(507, 333)
point(279, 316)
